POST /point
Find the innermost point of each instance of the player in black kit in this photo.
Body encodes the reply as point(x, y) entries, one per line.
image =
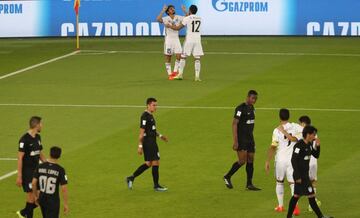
point(244, 144)
point(47, 179)
point(148, 146)
point(29, 154)
point(302, 152)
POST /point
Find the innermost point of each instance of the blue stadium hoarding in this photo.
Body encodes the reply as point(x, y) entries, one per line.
point(32, 18)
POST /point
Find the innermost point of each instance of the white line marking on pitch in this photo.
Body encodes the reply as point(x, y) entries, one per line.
point(100, 52)
point(170, 107)
point(38, 65)
point(8, 175)
point(8, 159)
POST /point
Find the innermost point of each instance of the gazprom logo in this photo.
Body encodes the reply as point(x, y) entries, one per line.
point(11, 8)
point(240, 6)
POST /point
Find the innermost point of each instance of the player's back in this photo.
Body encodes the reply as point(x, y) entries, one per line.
point(193, 24)
point(50, 176)
point(284, 145)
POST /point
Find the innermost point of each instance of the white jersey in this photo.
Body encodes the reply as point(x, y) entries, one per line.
point(284, 146)
point(171, 34)
point(193, 31)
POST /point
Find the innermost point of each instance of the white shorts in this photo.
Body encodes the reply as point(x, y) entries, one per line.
point(192, 48)
point(172, 47)
point(283, 169)
point(313, 169)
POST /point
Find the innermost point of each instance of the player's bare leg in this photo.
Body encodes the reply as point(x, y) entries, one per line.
point(242, 155)
point(250, 172)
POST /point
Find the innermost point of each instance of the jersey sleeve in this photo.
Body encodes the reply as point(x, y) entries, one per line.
point(275, 139)
point(63, 178)
point(143, 122)
point(238, 112)
point(22, 144)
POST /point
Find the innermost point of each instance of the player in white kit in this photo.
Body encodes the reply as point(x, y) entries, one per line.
point(283, 141)
point(313, 165)
point(172, 43)
point(192, 44)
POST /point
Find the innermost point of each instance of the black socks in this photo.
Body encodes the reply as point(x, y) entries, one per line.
point(315, 207)
point(139, 171)
point(292, 206)
point(28, 210)
point(249, 172)
point(233, 169)
point(155, 174)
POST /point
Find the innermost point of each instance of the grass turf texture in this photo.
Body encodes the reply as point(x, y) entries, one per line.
point(100, 144)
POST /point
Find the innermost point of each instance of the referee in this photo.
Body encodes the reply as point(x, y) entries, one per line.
point(148, 146)
point(244, 143)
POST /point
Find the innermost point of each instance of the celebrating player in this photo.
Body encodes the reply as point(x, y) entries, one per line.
point(29, 154)
point(192, 44)
point(172, 42)
point(283, 141)
point(303, 149)
point(244, 144)
point(49, 176)
point(148, 146)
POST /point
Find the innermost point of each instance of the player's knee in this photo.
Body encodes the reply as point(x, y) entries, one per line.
point(241, 161)
point(149, 164)
point(197, 58)
point(280, 181)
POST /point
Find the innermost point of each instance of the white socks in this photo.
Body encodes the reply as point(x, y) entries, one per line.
point(177, 66)
point(182, 66)
point(197, 68)
point(280, 193)
point(168, 68)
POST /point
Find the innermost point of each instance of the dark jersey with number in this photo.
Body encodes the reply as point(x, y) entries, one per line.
point(50, 176)
point(301, 158)
point(32, 147)
point(246, 116)
point(148, 124)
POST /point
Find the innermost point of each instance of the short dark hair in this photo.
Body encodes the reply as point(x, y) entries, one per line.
point(305, 119)
point(284, 114)
point(193, 9)
point(309, 130)
point(34, 120)
point(55, 152)
point(167, 10)
point(150, 100)
point(252, 92)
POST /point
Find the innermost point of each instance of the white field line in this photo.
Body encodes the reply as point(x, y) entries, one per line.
point(8, 159)
point(100, 52)
point(172, 107)
point(38, 65)
point(8, 175)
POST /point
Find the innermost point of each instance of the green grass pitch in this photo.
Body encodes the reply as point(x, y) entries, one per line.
point(100, 144)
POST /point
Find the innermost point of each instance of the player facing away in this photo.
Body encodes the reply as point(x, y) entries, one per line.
point(283, 141)
point(192, 44)
point(172, 43)
point(300, 159)
point(48, 177)
point(313, 165)
point(148, 146)
point(29, 154)
point(244, 143)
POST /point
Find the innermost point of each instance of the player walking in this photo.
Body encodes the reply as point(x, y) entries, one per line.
point(48, 177)
point(283, 141)
point(148, 146)
point(172, 43)
point(29, 154)
point(192, 44)
point(244, 143)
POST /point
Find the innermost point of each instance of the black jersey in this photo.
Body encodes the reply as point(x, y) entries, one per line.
point(301, 158)
point(149, 125)
point(50, 176)
point(32, 147)
point(246, 116)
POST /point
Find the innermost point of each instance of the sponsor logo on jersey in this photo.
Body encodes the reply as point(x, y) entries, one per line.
point(250, 122)
point(34, 153)
point(240, 6)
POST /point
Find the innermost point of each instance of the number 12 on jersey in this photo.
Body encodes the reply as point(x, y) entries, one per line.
point(196, 26)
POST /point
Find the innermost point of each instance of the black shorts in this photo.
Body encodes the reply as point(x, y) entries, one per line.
point(304, 188)
point(50, 207)
point(27, 176)
point(249, 147)
point(151, 151)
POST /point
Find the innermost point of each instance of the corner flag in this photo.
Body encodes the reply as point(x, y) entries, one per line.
point(76, 8)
